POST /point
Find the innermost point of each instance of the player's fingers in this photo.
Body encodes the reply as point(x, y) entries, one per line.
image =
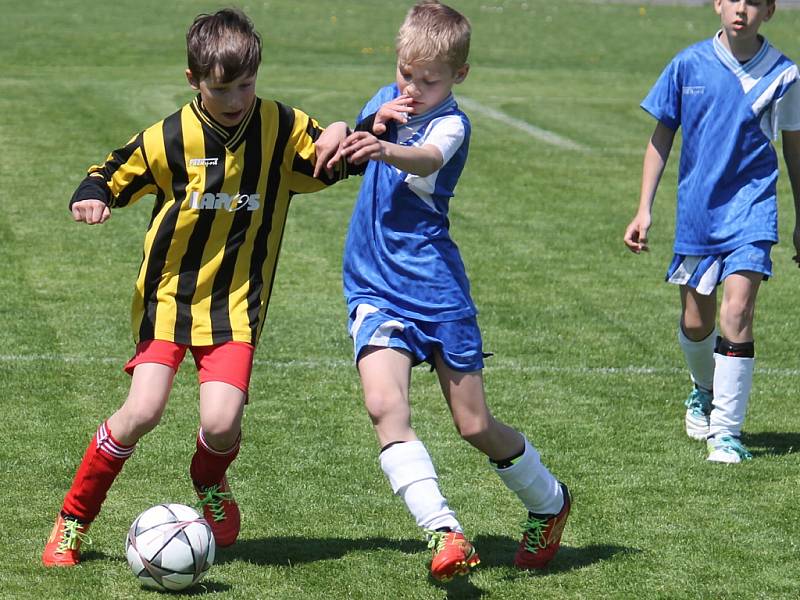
point(106, 214)
point(353, 144)
point(97, 213)
point(379, 128)
point(337, 156)
point(77, 213)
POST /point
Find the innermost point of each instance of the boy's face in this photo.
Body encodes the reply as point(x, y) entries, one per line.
point(742, 18)
point(227, 102)
point(428, 83)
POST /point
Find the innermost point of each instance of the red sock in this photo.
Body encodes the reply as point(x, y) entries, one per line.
point(101, 464)
point(209, 465)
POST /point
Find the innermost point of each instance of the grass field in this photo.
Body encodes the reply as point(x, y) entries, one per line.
point(584, 333)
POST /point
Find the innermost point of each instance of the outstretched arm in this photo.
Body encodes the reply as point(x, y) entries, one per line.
point(655, 159)
point(362, 146)
point(791, 154)
point(329, 154)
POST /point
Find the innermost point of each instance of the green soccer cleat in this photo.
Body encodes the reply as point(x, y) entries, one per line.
point(727, 449)
point(698, 412)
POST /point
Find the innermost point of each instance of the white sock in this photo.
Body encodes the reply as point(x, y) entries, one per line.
point(699, 358)
point(410, 471)
point(733, 379)
point(533, 484)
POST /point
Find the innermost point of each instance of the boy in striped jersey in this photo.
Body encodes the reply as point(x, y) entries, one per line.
point(408, 294)
point(223, 169)
point(731, 95)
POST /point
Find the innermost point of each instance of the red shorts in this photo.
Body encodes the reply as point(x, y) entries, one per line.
point(229, 362)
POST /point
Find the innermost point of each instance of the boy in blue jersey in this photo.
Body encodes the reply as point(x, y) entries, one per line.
point(408, 294)
point(731, 94)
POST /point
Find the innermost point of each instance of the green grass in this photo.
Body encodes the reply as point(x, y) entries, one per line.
point(586, 359)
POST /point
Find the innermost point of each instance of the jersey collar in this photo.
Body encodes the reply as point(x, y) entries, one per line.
point(231, 137)
point(741, 70)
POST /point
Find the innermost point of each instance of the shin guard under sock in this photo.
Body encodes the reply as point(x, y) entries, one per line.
point(101, 464)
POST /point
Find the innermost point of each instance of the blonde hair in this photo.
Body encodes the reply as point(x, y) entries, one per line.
point(433, 31)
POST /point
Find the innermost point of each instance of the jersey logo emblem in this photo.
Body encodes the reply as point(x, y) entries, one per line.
point(204, 162)
point(221, 200)
point(693, 90)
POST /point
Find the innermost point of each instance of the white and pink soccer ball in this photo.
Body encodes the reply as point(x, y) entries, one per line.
point(170, 547)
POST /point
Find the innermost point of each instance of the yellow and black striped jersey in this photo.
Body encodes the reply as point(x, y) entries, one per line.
point(222, 196)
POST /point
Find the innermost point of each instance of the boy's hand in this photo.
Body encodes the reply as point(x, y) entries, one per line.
point(636, 234)
point(91, 212)
point(361, 146)
point(328, 146)
point(394, 110)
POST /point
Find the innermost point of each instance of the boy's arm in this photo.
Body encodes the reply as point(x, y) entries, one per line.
point(91, 212)
point(121, 180)
point(791, 154)
point(89, 203)
point(362, 146)
point(377, 123)
point(655, 159)
point(327, 148)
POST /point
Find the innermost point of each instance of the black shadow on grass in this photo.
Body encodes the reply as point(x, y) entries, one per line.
point(498, 551)
point(769, 443)
point(459, 588)
point(198, 589)
point(281, 551)
point(205, 586)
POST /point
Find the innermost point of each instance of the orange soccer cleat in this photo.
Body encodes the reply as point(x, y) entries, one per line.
point(542, 537)
point(63, 548)
point(452, 554)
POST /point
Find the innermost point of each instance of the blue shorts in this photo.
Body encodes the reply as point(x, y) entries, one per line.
point(458, 342)
point(705, 273)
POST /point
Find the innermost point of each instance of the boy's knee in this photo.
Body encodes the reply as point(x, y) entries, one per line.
point(140, 422)
point(222, 436)
point(474, 428)
point(382, 405)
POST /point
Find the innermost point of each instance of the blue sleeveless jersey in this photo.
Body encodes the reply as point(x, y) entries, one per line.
point(729, 114)
point(398, 253)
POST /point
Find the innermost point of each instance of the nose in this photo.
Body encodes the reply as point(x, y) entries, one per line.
point(412, 90)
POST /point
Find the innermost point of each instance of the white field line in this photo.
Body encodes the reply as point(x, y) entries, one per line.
point(332, 363)
point(540, 134)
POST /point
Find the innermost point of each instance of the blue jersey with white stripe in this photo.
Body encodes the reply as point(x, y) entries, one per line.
point(729, 114)
point(398, 252)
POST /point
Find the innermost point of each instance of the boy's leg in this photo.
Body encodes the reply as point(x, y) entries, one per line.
point(103, 460)
point(696, 336)
point(733, 375)
point(515, 461)
point(224, 372)
point(385, 377)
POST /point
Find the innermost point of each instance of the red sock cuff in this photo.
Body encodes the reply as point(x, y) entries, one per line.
point(202, 443)
point(108, 444)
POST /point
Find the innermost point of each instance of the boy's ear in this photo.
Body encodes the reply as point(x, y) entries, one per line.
point(193, 83)
point(461, 73)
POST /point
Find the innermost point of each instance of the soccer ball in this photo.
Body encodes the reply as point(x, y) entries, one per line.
point(170, 547)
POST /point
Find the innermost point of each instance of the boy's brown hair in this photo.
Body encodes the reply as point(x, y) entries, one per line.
point(226, 41)
point(433, 31)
